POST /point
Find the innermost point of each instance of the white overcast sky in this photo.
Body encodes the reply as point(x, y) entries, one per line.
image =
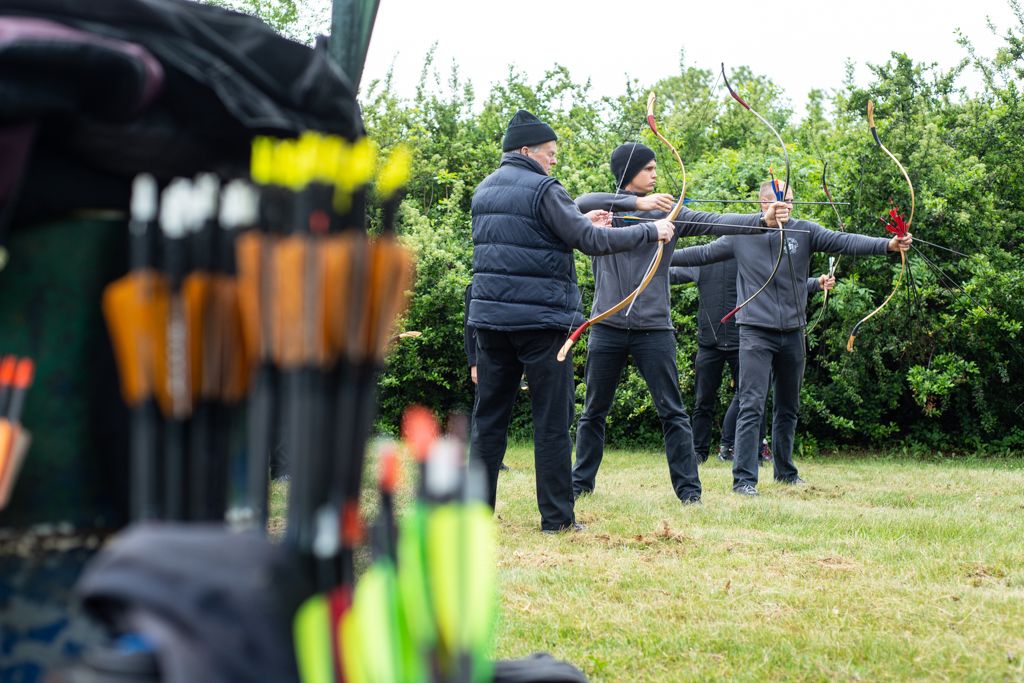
point(805, 46)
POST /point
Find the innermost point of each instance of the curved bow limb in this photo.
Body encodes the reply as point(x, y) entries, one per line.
point(655, 262)
point(905, 227)
point(782, 225)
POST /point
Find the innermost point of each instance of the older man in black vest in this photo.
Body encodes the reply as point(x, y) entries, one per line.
point(525, 301)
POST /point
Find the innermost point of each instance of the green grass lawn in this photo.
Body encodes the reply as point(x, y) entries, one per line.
point(877, 569)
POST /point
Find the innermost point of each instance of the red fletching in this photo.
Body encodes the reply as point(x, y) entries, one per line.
point(420, 429)
point(898, 225)
point(7, 367)
point(388, 464)
point(351, 525)
point(24, 373)
point(319, 222)
point(650, 122)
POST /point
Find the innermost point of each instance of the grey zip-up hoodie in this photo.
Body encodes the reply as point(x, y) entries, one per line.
point(716, 285)
point(616, 275)
point(783, 303)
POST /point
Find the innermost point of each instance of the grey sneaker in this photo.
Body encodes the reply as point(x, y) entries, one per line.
point(576, 526)
point(745, 490)
point(692, 500)
point(795, 481)
point(724, 453)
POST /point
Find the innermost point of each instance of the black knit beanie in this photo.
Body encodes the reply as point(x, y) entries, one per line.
point(526, 130)
point(628, 160)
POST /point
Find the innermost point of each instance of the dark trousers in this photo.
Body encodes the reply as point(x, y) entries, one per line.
point(708, 365)
point(762, 353)
point(501, 359)
point(654, 352)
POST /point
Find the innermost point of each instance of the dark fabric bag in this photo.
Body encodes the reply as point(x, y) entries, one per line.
point(539, 667)
point(216, 605)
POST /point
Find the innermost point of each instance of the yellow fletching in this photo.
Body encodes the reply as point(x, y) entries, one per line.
point(286, 167)
point(395, 172)
point(359, 166)
point(355, 169)
point(327, 159)
point(262, 163)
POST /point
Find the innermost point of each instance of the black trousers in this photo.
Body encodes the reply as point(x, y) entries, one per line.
point(501, 359)
point(762, 353)
point(654, 352)
point(708, 366)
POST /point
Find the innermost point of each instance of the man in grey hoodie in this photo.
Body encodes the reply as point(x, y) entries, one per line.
point(772, 327)
point(718, 345)
point(646, 334)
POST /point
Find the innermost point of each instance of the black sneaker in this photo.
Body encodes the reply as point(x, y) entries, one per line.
point(724, 453)
point(581, 493)
point(795, 481)
point(692, 500)
point(503, 467)
point(745, 490)
point(576, 526)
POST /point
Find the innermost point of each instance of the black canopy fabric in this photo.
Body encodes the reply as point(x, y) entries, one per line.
point(111, 88)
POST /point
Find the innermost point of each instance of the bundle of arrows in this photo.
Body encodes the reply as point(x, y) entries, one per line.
point(425, 608)
point(16, 376)
point(256, 319)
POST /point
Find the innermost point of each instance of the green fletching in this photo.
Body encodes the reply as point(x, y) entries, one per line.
point(479, 578)
point(443, 572)
point(374, 603)
point(480, 574)
point(412, 577)
point(311, 632)
point(350, 643)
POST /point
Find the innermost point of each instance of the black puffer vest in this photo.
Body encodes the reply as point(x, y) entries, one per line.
point(524, 277)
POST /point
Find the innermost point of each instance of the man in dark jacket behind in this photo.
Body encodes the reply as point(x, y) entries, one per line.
point(646, 334)
point(525, 301)
point(772, 328)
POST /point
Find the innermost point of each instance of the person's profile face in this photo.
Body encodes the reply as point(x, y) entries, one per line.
point(546, 155)
point(645, 180)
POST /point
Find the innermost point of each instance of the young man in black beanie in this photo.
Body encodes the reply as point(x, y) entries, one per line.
point(647, 333)
point(524, 300)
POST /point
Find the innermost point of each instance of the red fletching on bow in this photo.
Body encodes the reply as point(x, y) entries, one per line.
point(898, 224)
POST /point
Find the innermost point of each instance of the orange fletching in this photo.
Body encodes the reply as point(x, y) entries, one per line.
point(195, 293)
point(338, 254)
point(128, 306)
point(288, 273)
point(248, 257)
